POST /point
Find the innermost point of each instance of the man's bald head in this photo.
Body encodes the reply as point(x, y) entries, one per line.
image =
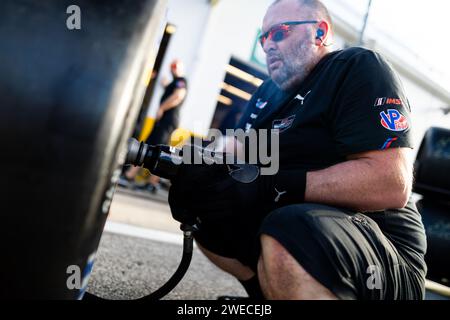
point(297, 48)
point(316, 7)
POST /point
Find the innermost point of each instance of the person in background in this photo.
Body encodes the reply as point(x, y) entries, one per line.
point(166, 121)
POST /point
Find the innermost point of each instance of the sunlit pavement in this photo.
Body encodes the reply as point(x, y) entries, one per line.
point(141, 248)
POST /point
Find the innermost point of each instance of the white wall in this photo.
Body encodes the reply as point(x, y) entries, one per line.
point(231, 30)
point(425, 110)
point(190, 18)
point(424, 105)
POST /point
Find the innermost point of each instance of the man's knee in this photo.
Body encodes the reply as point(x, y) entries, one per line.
point(282, 277)
point(276, 259)
point(281, 274)
point(230, 265)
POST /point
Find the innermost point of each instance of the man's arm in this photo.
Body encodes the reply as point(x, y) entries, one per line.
point(173, 100)
point(368, 181)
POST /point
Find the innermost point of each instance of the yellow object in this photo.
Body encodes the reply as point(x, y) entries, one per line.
point(437, 288)
point(177, 139)
point(142, 175)
point(236, 91)
point(244, 75)
point(225, 100)
point(179, 136)
point(148, 78)
point(170, 28)
point(149, 123)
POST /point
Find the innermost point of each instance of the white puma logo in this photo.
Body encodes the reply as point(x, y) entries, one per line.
point(302, 99)
point(231, 170)
point(279, 194)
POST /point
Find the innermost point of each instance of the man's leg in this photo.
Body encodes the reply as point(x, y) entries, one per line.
point(282, 277)
point(244, 274)
point(232, 266)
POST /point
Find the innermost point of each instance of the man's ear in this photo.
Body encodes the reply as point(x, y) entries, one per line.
point(322, 33)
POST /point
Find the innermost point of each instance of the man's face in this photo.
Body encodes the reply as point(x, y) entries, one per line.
point(177, 69)
point(289, 61)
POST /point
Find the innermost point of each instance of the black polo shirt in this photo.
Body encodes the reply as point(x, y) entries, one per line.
point(351, 102)
point(171, 116)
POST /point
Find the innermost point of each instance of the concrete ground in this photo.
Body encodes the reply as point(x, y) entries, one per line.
point(141, 248)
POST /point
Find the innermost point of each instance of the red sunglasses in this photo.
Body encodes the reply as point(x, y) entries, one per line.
point(280, 31)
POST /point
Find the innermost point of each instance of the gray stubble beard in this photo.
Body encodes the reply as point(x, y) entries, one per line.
point(294, 72)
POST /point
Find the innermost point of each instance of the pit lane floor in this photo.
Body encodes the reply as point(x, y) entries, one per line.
point(141, 248)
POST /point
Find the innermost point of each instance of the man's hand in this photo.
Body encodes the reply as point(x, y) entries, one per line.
point(172, 101)
point(211, 192)
point(206, 192)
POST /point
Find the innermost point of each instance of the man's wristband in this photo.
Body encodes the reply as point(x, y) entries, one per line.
point(288, 187)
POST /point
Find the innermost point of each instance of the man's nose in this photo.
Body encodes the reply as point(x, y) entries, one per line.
point(269, 45)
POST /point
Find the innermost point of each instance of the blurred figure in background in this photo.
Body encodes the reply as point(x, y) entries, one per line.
point(166, 121)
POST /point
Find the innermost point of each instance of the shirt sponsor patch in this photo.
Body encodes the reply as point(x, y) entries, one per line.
point(283, 124)
point(393, 120)
point(388, 143)
point(379, 102)
point(387, 101)
point(180, 84)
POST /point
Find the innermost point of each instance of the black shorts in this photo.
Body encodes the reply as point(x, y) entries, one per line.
point(356, 256)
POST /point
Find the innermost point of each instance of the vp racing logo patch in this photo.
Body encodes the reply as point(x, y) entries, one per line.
point(393, 120)
point(283, 124)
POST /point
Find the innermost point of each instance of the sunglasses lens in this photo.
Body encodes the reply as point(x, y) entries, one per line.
point(276, 34)
point(262, 40)
point(279, 34)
